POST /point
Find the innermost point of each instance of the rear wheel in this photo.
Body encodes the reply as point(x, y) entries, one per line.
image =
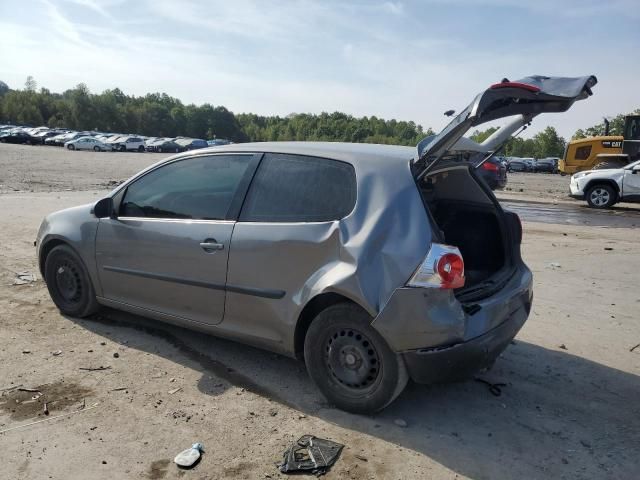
point(140, 148)
point(68, 282)
point(601, 196)
point(350, 362)
point(96, 149)
point(71, 147)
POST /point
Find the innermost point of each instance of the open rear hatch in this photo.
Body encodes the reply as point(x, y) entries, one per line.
point(467, 215)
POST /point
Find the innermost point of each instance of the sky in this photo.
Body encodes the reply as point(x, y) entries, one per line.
point(408, 60)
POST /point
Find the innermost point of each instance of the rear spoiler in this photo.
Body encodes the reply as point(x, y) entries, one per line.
point(528, 97)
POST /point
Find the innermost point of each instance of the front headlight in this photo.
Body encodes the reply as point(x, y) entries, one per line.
point(580, 175)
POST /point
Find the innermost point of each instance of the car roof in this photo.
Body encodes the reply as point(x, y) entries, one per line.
point(354, 153)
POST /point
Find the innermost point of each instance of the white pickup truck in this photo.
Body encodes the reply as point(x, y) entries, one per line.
point(604, 188)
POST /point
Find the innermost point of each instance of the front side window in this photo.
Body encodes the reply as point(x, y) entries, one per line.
point(293, 188)
point(582, 153)
point(200, 188)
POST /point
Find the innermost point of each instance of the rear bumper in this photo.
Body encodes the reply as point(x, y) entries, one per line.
point(464, 359)
point(442, 339)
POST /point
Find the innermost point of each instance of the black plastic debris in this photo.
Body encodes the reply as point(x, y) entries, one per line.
point(310, 454)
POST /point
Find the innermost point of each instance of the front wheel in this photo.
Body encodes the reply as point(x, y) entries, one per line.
point(350, 362)
point(96, 149)
point(68, 282)
point(71, 147)
point(140, 149)
point(601, 196)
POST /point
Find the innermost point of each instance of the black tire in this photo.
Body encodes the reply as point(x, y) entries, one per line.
point(140, 149)
point(350, 362)
point(177, 150)
point(71, 147)
point(601, 196)
point(68, 282)
point(609, 164)
point(123, 148)
point(96, 148)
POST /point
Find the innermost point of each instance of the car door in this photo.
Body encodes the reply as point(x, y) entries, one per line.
point(631, 183)
point(287, 234)
point(168, 247)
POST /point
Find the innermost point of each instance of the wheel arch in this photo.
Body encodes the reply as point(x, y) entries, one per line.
point(602, 181)
point(46, 248)
point(310, 311)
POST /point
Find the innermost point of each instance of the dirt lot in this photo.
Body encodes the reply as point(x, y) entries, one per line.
point(569, 408)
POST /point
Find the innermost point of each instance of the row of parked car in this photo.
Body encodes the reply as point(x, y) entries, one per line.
point(546, 165)
point(101, 142)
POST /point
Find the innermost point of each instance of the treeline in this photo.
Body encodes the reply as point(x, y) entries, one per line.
point(616, 127)
point(158, 114)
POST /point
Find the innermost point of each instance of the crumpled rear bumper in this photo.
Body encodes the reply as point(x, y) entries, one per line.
point(442, 339)
point(464, 359)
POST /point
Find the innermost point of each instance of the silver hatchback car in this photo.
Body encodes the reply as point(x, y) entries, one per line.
point(373, 263)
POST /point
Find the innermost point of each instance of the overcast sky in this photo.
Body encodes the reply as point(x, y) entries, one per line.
point(409, 60)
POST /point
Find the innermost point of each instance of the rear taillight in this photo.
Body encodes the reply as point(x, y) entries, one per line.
point(492, 167)
point(443, 268)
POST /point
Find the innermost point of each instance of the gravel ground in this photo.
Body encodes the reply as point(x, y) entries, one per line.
point(568, 409)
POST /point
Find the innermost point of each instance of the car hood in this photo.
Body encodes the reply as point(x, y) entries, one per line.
point(529, 96)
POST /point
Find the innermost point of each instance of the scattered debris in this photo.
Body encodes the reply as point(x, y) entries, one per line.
point(116, 355)
point(633, 348)
point(310, 454)
point(608, 248)
point(555, 265)
point(119, 389)
point(563, 347)
point(24, 278)
point(189, 457)
point(94, 369)
point(56, 353)
point(175, 390)
point(361, 457)
point(26, 351)
point(9, 389)
point(400, 422)
point(48, 418)
point(45, 409)
point(494, 388)
point(31, 390)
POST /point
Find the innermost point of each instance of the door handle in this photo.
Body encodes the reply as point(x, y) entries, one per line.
point(210, 245)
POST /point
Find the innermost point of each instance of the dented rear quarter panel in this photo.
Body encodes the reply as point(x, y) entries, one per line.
point(363, 257)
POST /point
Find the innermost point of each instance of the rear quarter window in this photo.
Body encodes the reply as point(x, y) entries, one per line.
point(295, 188)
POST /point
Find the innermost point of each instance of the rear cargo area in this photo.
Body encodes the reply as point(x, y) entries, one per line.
point(468, 218)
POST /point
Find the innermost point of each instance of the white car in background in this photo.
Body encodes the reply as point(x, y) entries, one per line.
point(87, 143)
point(604, 188)
point(129, 143)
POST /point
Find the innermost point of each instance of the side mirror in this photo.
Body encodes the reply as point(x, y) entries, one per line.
point(104, 208)
point(635, 169)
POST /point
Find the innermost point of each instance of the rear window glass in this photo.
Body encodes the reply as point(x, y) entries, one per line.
point(293, 188)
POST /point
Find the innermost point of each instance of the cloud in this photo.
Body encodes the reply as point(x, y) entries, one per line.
point(364, 58)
